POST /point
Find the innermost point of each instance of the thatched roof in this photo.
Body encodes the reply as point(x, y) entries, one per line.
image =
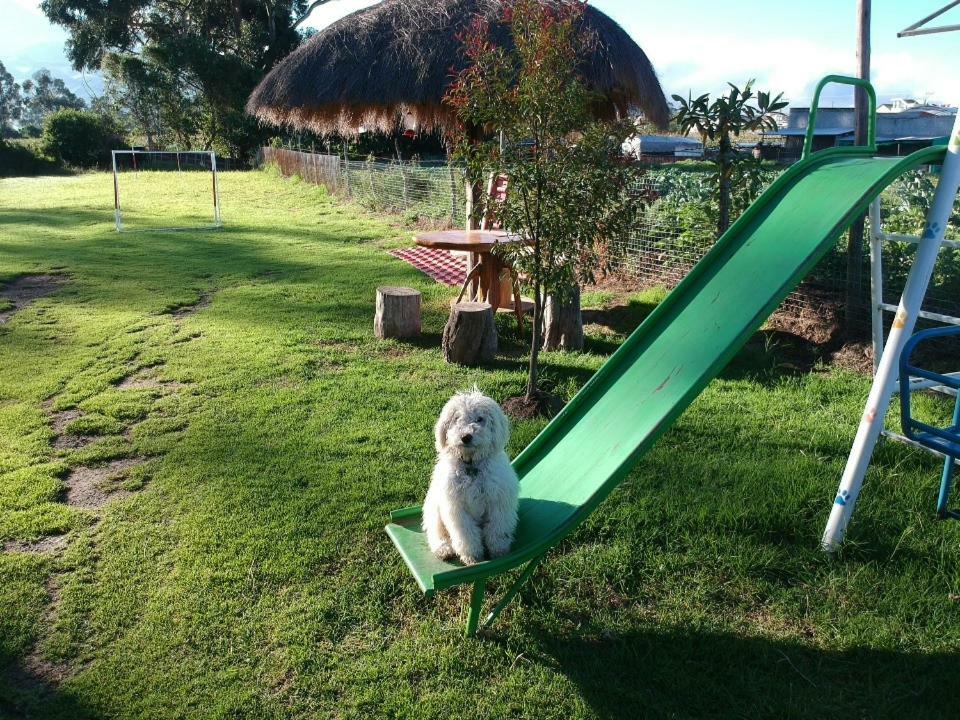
point(390, 65)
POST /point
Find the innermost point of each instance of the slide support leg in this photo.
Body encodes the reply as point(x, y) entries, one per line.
point(512, 592)
point(476, 605)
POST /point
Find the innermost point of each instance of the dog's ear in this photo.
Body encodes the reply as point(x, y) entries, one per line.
point(443, 424)
point(501, 426)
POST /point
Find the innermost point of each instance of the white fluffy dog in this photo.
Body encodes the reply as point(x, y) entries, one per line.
point(471, 506)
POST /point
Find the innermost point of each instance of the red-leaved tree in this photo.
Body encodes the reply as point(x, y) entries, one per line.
point(524, 110)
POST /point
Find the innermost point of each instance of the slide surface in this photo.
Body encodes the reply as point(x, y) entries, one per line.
point(590, 446)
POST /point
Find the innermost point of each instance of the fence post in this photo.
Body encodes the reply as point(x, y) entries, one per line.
point(373, 196)
point(453, 193)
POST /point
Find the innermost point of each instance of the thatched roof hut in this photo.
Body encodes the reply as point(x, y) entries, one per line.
point(390, 65)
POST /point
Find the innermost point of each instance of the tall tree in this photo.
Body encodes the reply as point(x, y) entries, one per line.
point(44, 94)
point(153, 102)
point(11, 102)
point(212, 52)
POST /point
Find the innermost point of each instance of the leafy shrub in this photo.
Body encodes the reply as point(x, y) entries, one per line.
point(80, 138)
point(19, 158)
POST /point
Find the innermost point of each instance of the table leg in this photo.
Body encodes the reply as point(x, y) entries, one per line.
point(490, 280)
point(471, 277)
point(476, 261)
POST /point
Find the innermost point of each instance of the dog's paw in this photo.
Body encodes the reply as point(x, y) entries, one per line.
point(499, 550)
point(468, 559)
point(445, 552)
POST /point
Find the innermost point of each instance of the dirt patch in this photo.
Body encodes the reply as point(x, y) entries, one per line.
point(855, 356)
point(60, 420)
point(178, 339)
point(814, 320)
point(138, 382)
point(24, 290)
point(622, 319)
point(62, 439)
point(89, 488)
point(620, 285)
point(141, 381)
point(35, 674)
point(73, 442)
point(524, 408)
point(187, 310)
point(52, 544)
point(36, 668)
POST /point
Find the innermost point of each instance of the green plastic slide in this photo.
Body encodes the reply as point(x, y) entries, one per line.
point(591, 445)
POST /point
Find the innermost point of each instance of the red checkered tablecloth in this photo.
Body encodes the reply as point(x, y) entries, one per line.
point(442, 265)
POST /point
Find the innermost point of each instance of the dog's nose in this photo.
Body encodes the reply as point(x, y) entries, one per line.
point(466, 438)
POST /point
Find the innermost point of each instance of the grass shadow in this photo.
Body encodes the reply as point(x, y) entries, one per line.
point(727, 675)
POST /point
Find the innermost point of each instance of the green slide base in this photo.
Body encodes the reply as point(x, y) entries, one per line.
point(590, 446)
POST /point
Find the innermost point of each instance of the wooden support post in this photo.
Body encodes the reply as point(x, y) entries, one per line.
point(854, 301)
point(398, 313)
point(470, 336)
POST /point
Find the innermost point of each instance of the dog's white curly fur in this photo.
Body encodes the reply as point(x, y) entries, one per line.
point(471, 507)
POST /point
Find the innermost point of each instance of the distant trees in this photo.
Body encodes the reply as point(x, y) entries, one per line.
point(24, 107)
point(11, 102)
point(184, 68)
point(44, 94)
point(150, 101)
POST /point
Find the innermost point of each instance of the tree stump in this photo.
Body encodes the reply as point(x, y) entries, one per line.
point(563, 323)
point(470, 336)
point(398, 313)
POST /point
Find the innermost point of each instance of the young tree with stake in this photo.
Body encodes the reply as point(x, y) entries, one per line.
point(736, 112)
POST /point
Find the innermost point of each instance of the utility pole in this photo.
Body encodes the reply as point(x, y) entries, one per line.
point(854, 290)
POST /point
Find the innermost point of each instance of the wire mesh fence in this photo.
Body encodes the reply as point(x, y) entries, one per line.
point(428, 194)
point(676, 226)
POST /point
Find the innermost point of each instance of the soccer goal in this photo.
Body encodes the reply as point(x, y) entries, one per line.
point(155, 190)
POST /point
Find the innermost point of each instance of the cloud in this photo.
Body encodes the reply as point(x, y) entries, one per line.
point(31, 6)
point(902, 74)
point(333, 11)
point(703, 62)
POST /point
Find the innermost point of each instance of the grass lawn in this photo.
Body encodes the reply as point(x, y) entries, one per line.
point(207, 421)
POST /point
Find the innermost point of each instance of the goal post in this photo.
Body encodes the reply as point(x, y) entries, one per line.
point(165, 190)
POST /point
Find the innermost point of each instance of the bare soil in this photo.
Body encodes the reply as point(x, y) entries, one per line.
point(62, 419)
point(51, 544)
point(542, 405)
point(88, 488)
point(187, 310)
point(139, 382)
point(24, 290)
point(856, 356)
point(62, 439)
point(73, 442)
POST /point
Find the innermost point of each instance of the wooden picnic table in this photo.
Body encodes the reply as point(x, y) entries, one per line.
point(487, 274)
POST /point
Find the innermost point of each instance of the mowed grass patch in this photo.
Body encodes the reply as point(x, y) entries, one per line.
point(241, 570)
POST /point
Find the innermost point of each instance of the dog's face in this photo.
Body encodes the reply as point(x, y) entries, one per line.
point(472, 426)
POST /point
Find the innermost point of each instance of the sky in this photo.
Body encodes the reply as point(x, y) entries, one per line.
point(695, 46)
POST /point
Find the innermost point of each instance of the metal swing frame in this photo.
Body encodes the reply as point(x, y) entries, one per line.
point(886, 377)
